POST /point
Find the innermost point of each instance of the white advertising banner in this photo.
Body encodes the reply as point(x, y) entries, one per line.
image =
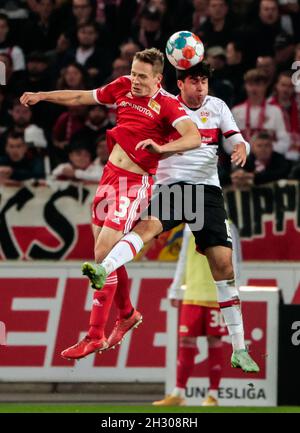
point(260, 312)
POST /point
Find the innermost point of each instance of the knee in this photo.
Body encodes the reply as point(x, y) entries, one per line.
point(223, 270)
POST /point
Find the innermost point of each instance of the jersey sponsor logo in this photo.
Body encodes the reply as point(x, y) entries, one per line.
point(139, 108)
point(154, 105)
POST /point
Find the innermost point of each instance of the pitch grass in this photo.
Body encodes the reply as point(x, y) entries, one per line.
point(92, 408)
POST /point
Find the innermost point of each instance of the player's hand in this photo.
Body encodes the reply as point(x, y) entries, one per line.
point(239, 154)
point(30, 98)
point(149, 145)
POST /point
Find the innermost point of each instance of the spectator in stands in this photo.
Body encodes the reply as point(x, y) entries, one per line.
point(290, 16)
point(67, 125)
point(284, 49)
point(89, 54)
point(235, 69)
point(21, 118)
point(220, 86)
point(4, 116)
point(101, 151)
point(36, 77)
point(256, 114)
point(17, 163)
point(218, 29)
point(263, 164)
point(80, 164)
point(284, 97)
point(119, 67)
point(148, 32)
point(41, 32)
point(96, 124)
point(200, 14)
point(128, 51)
point(15, 52)
point(268, 66)
point(73, 77)
point(259, 36)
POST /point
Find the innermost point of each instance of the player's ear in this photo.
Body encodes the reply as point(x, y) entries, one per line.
point(179, 84)
point(159, 78)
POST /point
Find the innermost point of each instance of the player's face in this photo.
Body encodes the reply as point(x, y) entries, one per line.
point(193, 90)
point(144, 80)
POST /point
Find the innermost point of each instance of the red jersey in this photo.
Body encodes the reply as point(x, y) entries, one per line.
point(139, 118)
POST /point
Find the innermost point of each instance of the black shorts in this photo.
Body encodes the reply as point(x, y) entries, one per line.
point(200, 206)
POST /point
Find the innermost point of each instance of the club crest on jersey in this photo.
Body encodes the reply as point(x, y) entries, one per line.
point(154, 106)
point(204, 116)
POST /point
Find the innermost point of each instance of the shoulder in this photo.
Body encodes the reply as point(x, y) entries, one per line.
point(164, 95)
point(214, 102)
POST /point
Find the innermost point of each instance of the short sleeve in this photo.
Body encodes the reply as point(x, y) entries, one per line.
point(228, 124)
point(174, 111)
point(108, 94)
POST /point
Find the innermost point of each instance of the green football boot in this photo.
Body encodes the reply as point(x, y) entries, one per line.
point(95, 273)
point(242, 359)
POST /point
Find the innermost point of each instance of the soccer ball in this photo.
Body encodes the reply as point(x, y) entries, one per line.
point(184, 49)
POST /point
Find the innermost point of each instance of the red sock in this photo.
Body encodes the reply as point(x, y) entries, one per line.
point(101, 306)
point(122, 297)
point(215, 363)
point(185, 365)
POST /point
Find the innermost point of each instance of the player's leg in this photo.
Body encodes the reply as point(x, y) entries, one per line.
point(215, 329)
point(215, 361)
point(95, 340)
point(161, 215)
point(220, 261)
point(216, 242)
point(191, 325)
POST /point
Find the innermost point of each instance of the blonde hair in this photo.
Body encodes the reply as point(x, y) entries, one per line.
point(152, 56)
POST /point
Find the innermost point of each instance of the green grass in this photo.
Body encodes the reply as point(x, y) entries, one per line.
point(92, 408)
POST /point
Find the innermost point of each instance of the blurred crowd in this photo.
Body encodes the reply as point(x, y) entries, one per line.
point(252, 45)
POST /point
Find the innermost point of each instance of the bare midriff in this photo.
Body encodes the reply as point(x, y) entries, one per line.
point(119, 158)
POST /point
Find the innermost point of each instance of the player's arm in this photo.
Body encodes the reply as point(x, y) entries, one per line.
point(239, 147)
point(190, 139)
point(62, 97)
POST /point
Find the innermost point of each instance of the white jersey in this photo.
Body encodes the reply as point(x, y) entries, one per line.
point(199, 166)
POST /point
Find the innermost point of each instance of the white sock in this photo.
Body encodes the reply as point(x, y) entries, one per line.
point(228, 298)
point(123, 252)
point(178, 392)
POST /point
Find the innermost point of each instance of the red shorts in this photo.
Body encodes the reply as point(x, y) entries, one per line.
point(120, 198)
point(196, 320)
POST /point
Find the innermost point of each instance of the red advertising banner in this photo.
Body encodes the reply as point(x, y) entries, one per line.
point(43, 223)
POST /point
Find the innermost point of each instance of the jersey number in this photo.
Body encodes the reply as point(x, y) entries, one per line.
point(123, 206)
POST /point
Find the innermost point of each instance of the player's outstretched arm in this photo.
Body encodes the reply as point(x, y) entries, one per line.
point(62, 97)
